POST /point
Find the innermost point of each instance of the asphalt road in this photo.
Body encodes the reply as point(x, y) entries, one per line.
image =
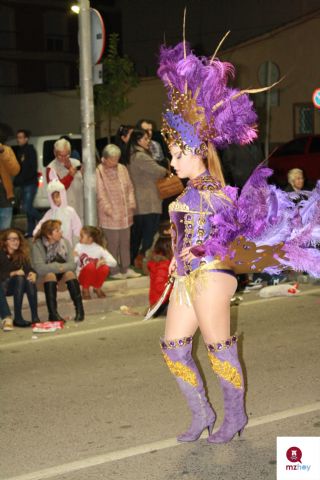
point(96, 401)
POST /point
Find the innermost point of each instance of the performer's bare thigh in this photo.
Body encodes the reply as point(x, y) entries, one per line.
point(181, 321)
point(212, 306)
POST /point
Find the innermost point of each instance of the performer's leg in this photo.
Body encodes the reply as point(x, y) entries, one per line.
point(176, 347)
point(212, 306)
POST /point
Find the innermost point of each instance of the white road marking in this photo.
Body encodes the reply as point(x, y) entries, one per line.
point(150, 447)
point(79, 333)
point(137, 323)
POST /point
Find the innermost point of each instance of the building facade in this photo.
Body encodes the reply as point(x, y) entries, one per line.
point(38, 46)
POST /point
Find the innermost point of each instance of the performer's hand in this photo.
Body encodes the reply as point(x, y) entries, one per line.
point(172, 266)
point(186, 255)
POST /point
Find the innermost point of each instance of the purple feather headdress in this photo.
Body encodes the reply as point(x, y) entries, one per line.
point(202, 107)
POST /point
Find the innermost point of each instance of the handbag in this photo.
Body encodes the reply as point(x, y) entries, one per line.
point(169, 186)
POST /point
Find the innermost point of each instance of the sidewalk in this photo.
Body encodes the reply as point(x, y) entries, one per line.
point(132, 292)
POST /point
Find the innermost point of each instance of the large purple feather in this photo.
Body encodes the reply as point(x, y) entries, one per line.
point(235, 120)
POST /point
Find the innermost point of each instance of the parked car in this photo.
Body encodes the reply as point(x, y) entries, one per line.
point(44, 149)
point(303, 153)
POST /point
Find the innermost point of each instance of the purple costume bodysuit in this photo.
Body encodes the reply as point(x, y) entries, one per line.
point(190, 225)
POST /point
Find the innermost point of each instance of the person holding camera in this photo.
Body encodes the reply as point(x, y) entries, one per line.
point(69, 171)
point(9, 167)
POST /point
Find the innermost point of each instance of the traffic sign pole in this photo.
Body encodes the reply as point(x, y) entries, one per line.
point(87, 115)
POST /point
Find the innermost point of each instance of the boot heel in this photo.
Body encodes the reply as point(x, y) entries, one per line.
point(210, 428)
point(240, 432)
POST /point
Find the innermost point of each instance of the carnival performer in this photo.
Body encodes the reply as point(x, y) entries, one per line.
point(217, 233)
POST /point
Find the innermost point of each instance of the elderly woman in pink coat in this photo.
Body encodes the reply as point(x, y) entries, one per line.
point(116, 205)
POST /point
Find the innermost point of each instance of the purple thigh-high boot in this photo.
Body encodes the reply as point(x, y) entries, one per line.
point(225, 363)
point(178, 356)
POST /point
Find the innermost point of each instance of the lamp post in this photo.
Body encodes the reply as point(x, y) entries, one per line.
point(87, 115)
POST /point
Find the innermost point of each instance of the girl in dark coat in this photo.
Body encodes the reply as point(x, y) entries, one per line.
point(17, 277)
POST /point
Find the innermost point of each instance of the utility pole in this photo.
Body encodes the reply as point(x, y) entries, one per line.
point(87, 115)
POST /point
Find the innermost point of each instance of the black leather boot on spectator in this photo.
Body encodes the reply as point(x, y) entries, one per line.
point(19, 289)
point(50, 290)
point(75, 294)
point(31, 291)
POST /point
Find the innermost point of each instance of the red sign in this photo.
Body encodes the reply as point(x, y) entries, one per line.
point(316, 98)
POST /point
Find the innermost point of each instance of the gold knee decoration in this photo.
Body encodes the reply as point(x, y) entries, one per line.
point(181, 371)
point(225, 370)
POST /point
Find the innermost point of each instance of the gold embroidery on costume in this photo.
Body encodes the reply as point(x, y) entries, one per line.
point(178, 207)
point(225, 370)
point(181, 371)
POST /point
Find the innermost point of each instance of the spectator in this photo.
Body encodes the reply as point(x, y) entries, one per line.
point(74, 153)
point(121, 140)
point(17, 277)
point(116, 205)
point(27, 179)
point(93, 261)
point(154, 147)
point(53, 261)
point(298, 184)
point(71, 223)
point(144, 172)
point(68, 171)
point(9, 167)
point(158, 267)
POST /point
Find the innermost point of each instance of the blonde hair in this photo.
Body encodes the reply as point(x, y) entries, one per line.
point(111, 150)
point(62, 144)
point(213, 164)
point(293, 173)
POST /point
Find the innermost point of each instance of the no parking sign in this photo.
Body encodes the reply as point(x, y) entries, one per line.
point(316, 98)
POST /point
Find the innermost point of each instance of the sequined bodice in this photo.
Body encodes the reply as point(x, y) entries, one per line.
point(190, 220)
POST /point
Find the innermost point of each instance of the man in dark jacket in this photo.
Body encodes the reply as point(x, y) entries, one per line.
point(27, 180)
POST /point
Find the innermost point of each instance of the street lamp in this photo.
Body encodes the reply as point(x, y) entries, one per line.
point(75, 9)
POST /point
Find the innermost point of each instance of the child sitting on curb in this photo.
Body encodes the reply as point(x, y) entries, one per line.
point(93, 261)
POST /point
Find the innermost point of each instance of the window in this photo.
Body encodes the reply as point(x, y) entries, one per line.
point(303, 114)
point(7, 28)
point(296, 147)
point(56, 32)
point(315, 145)
point(8, 77)
point(58, 76)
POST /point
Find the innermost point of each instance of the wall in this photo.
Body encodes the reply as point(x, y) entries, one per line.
point(59, 112)
point(294, 49)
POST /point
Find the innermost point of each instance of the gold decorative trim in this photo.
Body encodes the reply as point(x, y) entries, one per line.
point(225, 370)
point(181, 371)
